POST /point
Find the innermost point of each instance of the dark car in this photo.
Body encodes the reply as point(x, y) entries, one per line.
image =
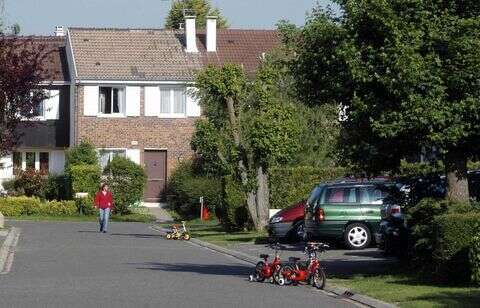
point(346, 209)
point(288, 223)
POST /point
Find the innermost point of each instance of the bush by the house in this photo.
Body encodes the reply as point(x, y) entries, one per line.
point(57, 187)
point(85, 206)
point(127, 182)
point(82, 154)
point(454, 235)
point(233, 212)
point(291, 184)
point(85, 178)
point(30, 183)
point(185, 189)
point(475, 260)
point(16, 206)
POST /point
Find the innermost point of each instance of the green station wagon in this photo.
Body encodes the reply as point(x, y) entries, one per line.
point(348, 210)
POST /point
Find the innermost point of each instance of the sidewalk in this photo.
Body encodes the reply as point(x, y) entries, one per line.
point(158, 210)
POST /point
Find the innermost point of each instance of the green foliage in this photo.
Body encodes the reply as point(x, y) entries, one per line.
point(18, 206)
point(199, 8)
point(82, 154)
point(454, 235)
point(85, 206)
point(57, 208)
point(30, 183)
point(233, 213)
point(185, 189)
point(289, 185)
point(127, 181)
point(57, 187)
point(85, 178)
point(207, 143)
point(420, 169)
point(473, 165)
point(474, 257)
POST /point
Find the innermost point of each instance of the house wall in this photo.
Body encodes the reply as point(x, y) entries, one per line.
point(138, 132)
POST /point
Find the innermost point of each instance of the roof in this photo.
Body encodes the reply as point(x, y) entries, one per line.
point(159, 54)
point(55, 63)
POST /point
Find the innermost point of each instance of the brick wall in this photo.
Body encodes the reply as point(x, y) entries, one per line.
point(173, 135)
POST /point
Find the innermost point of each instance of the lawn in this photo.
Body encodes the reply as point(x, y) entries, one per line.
point(134, 217)
point(406, 290)
point(211, 231)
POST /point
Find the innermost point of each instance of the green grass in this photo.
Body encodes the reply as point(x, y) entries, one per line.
point(211, 231)
point(406, 290)
point(134, 217)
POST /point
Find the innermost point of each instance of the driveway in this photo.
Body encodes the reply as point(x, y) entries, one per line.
point(71, 265)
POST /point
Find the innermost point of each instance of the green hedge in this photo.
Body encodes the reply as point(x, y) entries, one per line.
point(85, 178)
point(233, 212)
point(57, 187)
point(17, 206)
point(290, 185)
point(475, 260)
point(454, 234)
point(185, 189)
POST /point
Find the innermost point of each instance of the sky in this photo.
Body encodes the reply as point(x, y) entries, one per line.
point(39, 17)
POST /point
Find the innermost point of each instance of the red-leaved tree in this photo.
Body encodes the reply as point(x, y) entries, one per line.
point(22, 74)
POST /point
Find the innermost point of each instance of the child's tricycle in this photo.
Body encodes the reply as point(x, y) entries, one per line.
point(176, 234)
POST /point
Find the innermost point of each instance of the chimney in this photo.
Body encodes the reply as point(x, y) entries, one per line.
point(59, 31)
point(211, 33)
point(190, 34)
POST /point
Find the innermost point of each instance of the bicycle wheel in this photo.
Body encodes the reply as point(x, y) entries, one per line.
point(319, 279)
point(282, 275)
point(258, 271)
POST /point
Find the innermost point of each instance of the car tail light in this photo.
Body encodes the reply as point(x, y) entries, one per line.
point(396, 210)
point(320, 215)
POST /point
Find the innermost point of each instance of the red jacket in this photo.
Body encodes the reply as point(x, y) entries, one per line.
point(104, 201)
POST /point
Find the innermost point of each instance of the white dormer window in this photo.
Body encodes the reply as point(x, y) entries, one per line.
point(172, 102)
point(111, 101)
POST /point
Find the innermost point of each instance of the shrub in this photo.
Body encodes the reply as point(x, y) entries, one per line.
point(16, 206)
point(233, 213)
point(30, 183)
point(57, 187)
point(58, 208)
point(84, 206)
point(474, 257)
point(454, 234)
point(127, 181)
point(9, 186)
point(185, 189)
point(85, 178)
point(82, 154)
point(292, 184)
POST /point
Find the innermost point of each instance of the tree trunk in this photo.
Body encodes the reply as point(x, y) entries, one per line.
point(263, 199)
point(457, 182)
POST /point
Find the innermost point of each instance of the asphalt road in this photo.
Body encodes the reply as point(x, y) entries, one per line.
point(60, 264)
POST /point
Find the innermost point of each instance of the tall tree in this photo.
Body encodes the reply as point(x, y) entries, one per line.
point(200, 8)
point(248, 127)
point(22, 70)
point(407, 74)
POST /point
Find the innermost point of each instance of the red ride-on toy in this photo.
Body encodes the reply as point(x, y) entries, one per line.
point(309, 272)
point(265, 270)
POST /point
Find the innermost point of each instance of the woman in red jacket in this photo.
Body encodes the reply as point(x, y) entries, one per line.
point(104, 202)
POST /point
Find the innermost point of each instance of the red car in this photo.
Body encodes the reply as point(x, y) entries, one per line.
point(288, 223)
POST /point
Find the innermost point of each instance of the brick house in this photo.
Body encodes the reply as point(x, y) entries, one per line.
point(131, 89)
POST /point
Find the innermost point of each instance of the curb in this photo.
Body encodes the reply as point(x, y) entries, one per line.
point(339, 292)
point(8, 249)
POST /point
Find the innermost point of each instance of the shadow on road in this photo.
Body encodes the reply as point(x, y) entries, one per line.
point(207, 269)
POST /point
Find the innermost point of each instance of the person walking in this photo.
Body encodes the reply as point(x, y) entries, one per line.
point(104, 202)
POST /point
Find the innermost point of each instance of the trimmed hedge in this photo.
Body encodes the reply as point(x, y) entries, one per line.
point(57, 187)
point(185, 189)
point(475, 259)
point(454, 235)
point(17, 206)
point(290, 185)
point(85, 178)
point(233, 212)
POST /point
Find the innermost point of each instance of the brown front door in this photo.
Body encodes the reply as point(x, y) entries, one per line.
point(156, 168)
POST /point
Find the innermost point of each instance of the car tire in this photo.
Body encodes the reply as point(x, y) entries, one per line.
point(357, 236)
point(298, 232)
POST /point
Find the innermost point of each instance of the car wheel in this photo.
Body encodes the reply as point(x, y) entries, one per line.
point(357, 236)
point(298, 232)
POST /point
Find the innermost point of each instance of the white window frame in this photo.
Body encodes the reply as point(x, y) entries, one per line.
point(122, 105)
point(40, 117)
point(111, 150)
point(173, 115)
point(23, 155)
